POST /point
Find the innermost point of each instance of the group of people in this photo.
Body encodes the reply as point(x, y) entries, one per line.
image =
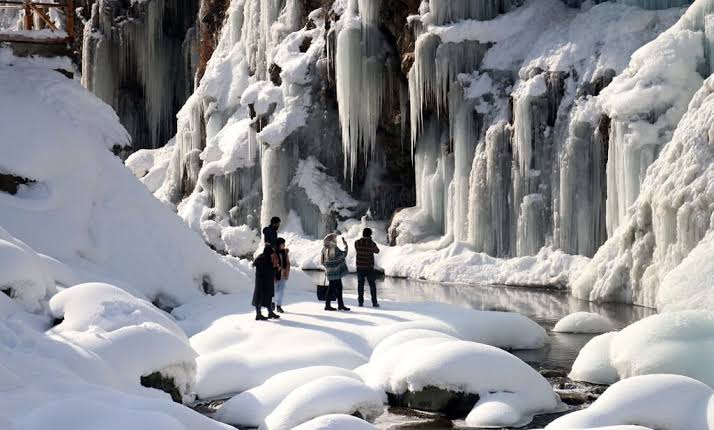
point(272, 270)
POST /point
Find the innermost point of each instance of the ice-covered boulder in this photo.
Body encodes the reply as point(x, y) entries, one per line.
point(654, 401)
point(432, 367)
point(679, 343)
point(129, 334)
point(336, 422)
point(249, 408)
point(325, 396)
point(584, 322)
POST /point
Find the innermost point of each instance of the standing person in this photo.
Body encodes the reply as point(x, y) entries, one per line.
point(270, 233)
point(264, 284)
point(282, 274)
point(365, 249)
point(333, 258)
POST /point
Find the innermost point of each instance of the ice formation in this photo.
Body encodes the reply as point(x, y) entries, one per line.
point(137, 61)
point(671, 216)
point(336, 422)
point(679, 343)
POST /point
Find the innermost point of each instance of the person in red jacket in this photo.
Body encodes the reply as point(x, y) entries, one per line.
point(365, 249)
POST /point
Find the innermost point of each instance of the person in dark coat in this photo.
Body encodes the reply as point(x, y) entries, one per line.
point(265, 269)
point(365, 249)
point(270, 233)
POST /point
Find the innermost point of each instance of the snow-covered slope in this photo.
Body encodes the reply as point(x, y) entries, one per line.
point(83, 208)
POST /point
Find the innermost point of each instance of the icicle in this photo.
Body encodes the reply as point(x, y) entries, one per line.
point(275, 180)
point(444, 11)
point(360, 84)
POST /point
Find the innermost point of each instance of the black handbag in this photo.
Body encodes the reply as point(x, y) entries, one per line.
point(322, 291)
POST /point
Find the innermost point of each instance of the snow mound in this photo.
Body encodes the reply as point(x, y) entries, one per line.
point(654, 401)
point(85, 208)
point(24, 274)
point(510, 392)
point(336, 422)
point(150, 165)
point(679, 343)
point(325, 396)
point(115, 325)
point(250, 408)
point(584, 322)
point(237, 353)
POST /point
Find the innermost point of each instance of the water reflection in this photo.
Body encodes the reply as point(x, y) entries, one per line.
point(545, 306)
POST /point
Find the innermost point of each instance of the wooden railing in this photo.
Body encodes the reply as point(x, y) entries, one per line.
point(37, 25)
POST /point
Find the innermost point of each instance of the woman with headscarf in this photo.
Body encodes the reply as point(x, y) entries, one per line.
point(265, 268)
point(333, 259)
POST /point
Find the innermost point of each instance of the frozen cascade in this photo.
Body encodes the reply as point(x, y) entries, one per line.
point(444, 11)
point(436, 67)
point(136, 61)
point(463, 132)
point(359, 70)
point(531, 229)
point(275, 186)
point(583, 187)
point(490, 197)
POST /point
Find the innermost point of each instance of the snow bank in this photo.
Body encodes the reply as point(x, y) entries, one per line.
point(679, 343)
point(689, 285)
point(673, 212)
point(584, 322)
point(326, 396)
point(654, 401)
point(510, 392)
point(114, 325)
point(250, 408)
point(336, 422)
point(237, 353)
point(85, 208)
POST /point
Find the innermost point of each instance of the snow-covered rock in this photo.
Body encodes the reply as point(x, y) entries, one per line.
point(130, 335)
point(509, 391)
point(679, 343)
point(655, 402)
point(584, 322)
point(336, 422)
point(326, 396)
point(250, 408)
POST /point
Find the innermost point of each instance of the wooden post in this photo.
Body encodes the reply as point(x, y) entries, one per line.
point(70, 20)
point(28, 17)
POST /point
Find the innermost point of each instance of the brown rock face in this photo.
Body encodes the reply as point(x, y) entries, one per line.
point(211, 16)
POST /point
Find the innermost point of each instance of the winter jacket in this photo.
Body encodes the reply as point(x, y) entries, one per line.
point(365, 249)
point(264, 281)
point(335, 267)
point(270, 236)
point(282, 262)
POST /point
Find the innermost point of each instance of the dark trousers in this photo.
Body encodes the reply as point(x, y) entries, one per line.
point(371, 276)
point(334, 291)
